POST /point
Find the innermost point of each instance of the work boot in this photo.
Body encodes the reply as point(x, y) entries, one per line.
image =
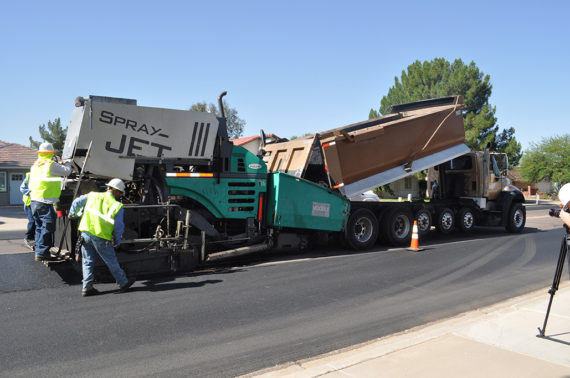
point(125, 287)
point(89, 292)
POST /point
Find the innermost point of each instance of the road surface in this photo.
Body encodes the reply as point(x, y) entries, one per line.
point(228, 321)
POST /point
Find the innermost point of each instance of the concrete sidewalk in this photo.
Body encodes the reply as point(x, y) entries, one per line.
point(13, 218)
point(495, 341)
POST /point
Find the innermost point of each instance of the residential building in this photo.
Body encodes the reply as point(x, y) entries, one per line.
point(253, 143)
point(15, 161)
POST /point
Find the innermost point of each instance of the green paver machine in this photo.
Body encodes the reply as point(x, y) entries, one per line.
point(192, 196)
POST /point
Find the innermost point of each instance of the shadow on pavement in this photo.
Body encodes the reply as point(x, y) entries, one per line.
point(160, 286)
point(550, 338)
point(68, 275)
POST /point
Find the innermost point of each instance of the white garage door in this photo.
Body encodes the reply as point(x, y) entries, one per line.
point(15, 195)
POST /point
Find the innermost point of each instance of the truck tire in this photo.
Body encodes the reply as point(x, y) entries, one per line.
point(423, 216)
point(465, 219)
point(445, 220)
point(398, 226)
point(362, 229)
point(516, 218)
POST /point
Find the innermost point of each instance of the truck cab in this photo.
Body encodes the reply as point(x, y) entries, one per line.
point(477, 181)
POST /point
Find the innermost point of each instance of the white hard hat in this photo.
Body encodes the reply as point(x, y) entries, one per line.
point(46, 147)
point(117, 184)
point(564, 194)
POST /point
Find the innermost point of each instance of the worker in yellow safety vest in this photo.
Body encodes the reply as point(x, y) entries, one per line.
point(45, 189)
point(101, 229)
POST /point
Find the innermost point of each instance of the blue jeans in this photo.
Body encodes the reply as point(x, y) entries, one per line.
point(93, 245)
point(31, 231)
point(44, 219)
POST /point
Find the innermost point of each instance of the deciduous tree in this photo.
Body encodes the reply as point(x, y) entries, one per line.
point(547, 160)
point(234, 123)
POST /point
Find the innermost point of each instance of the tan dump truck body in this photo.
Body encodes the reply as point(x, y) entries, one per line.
point(365, 155)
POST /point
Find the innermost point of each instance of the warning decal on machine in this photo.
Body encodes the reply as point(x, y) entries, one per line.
point(321, 209)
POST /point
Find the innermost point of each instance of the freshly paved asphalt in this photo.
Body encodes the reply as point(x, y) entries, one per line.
point(230, 321)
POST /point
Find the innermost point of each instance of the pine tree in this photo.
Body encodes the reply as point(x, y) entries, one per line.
point(440, 78)
point(53, 133)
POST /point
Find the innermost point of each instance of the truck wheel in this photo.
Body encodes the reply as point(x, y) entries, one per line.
point(445, 221)
point(423, 216)
point(517, 218)
point(398, 226)
point(465, 219)
point(362, 229)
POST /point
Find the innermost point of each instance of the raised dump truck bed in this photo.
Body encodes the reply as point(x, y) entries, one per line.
point(365, 155)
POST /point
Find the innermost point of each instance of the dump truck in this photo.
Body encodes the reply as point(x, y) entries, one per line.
point(192, 197)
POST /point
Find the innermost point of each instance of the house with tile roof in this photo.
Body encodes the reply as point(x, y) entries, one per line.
point(15, 161)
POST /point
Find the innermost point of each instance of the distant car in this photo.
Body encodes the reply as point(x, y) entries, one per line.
point(368, 196)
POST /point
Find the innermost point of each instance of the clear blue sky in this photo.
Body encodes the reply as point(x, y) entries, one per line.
point(289, 67)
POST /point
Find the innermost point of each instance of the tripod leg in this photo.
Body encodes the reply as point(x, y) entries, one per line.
point(555, 282)
point(566, 245)
point(541, 331)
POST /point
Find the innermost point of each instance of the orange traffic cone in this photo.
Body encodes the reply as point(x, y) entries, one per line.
point(415, 244)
